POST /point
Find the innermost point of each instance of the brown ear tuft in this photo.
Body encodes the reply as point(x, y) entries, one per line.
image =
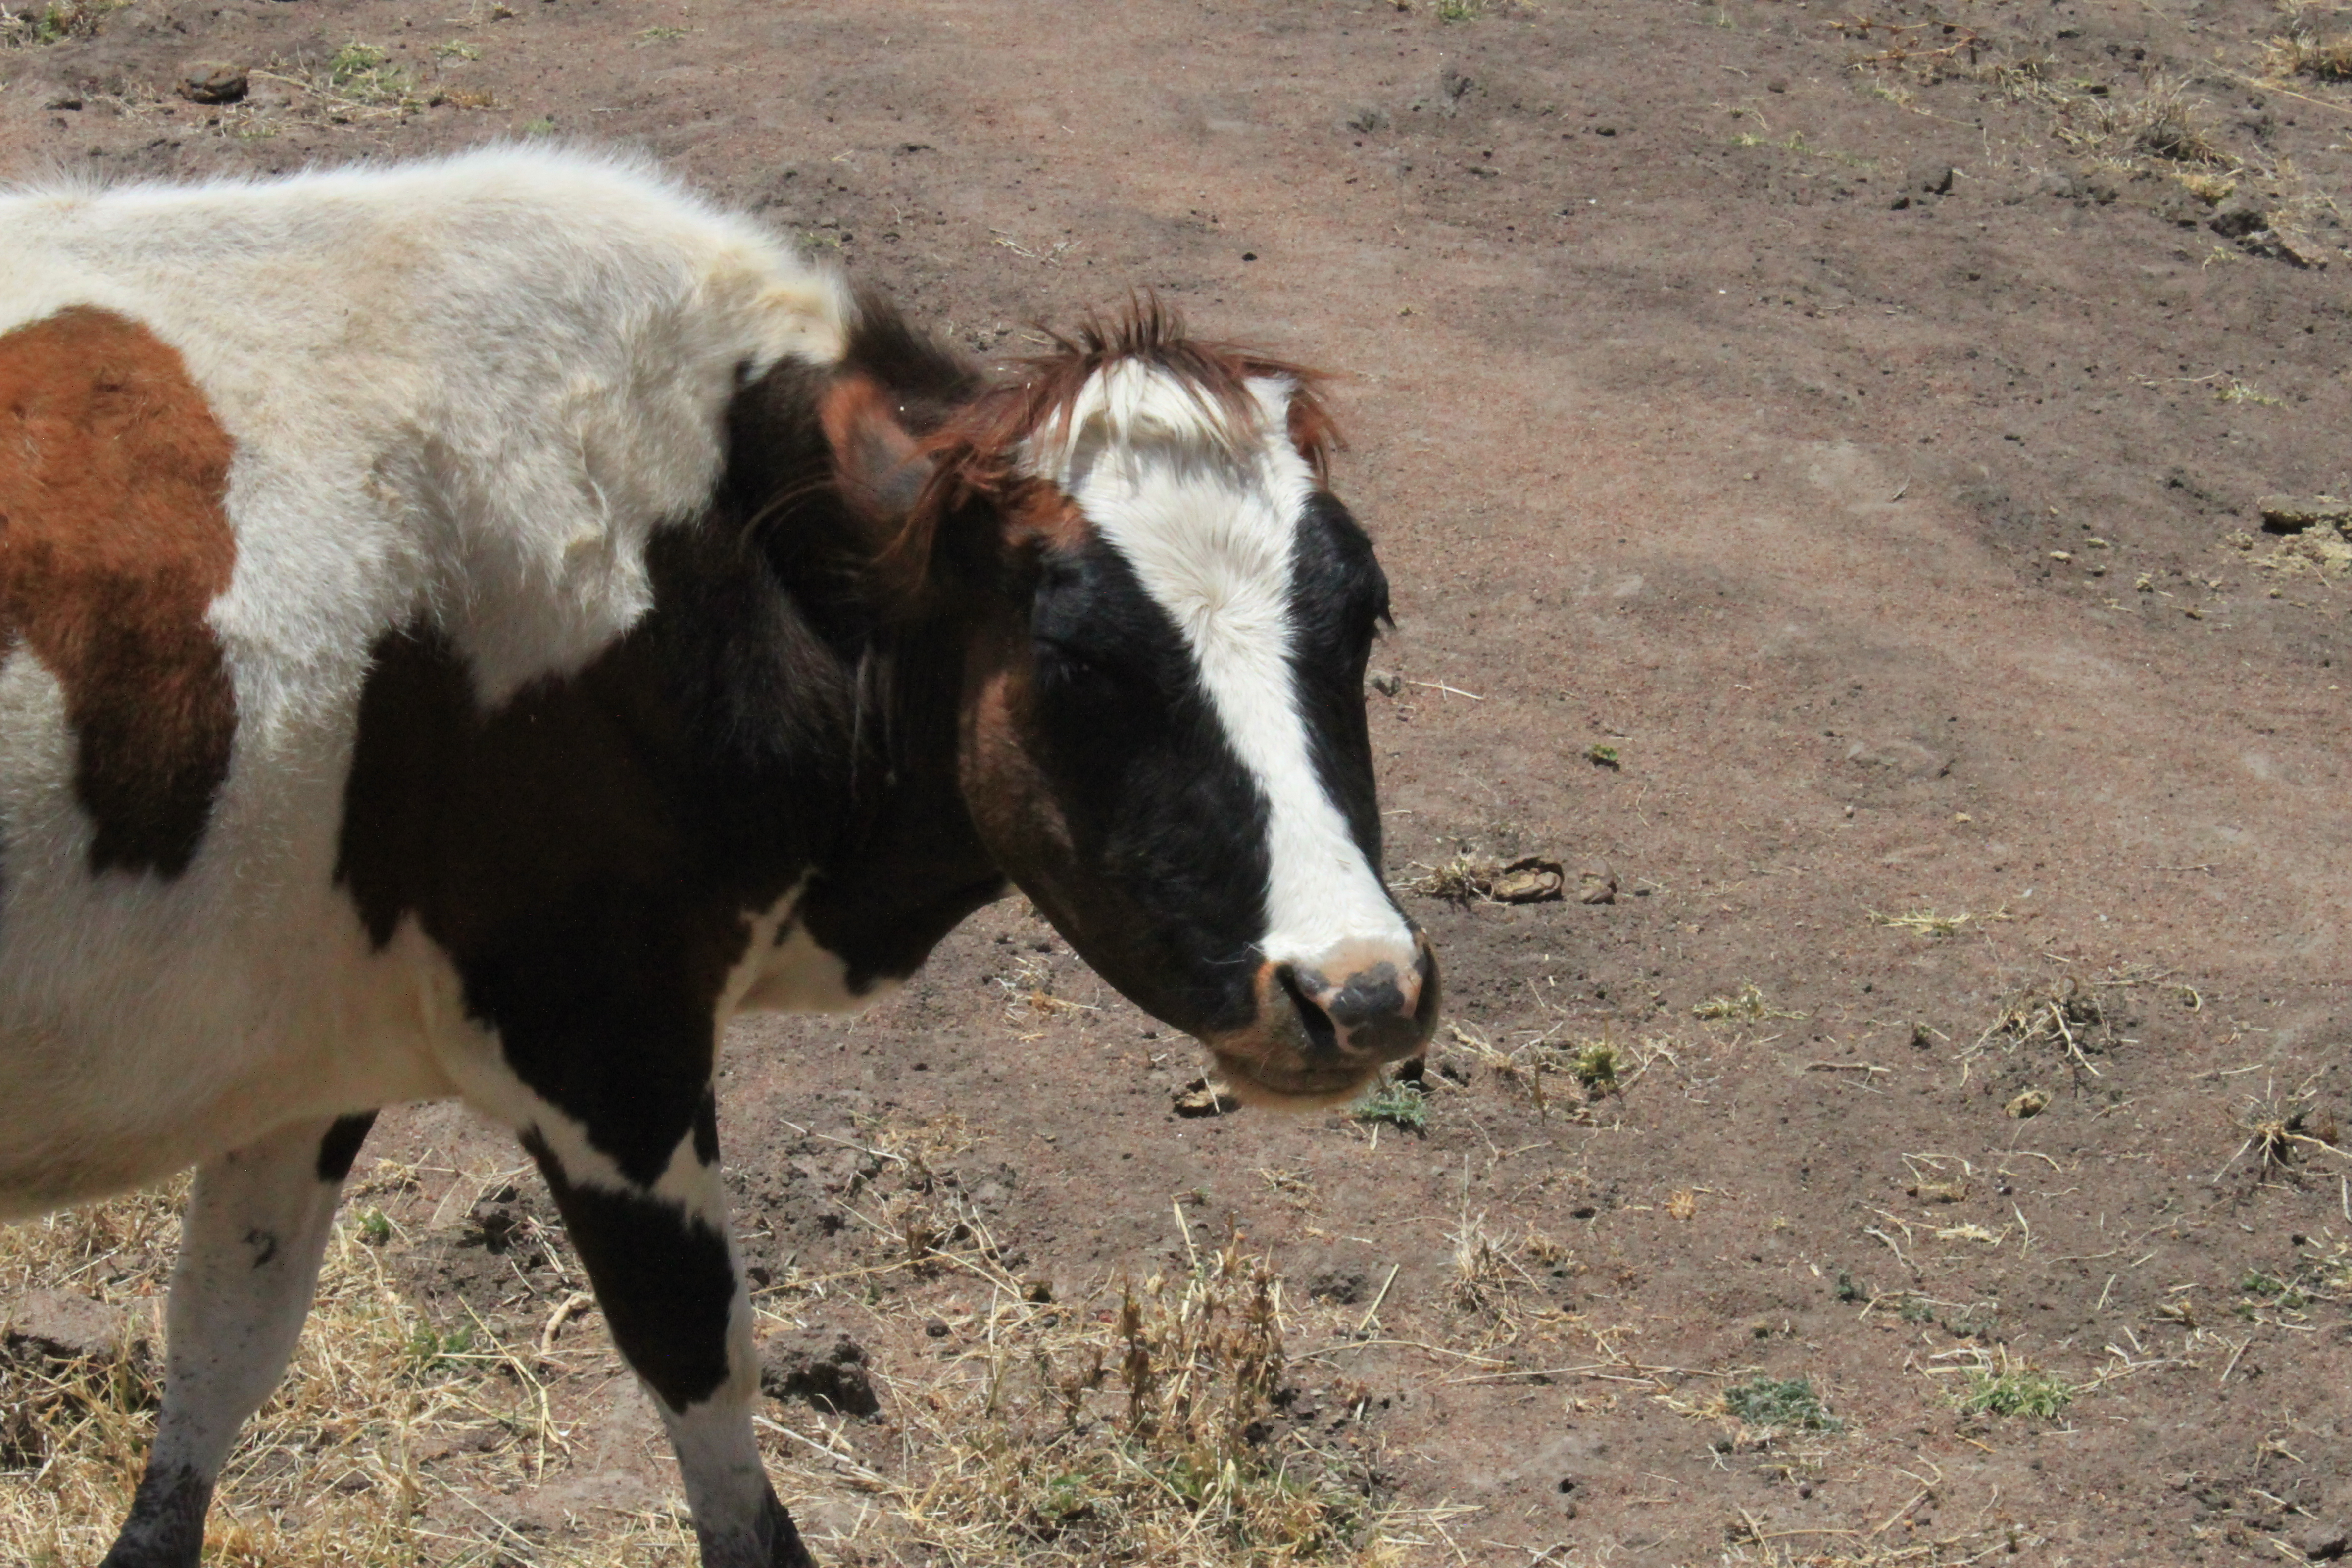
point(884, 476)
point(878, 466)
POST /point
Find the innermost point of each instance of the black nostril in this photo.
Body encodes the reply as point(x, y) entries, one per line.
point(1321, 1033)
point(1369, 997)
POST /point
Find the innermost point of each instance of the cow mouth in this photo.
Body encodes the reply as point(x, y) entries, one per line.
point(1257, 1081)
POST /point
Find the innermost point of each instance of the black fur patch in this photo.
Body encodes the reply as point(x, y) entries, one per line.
point(662, 1278)
point(340, 1146)
point(1339, 597)
point(706, 1128)
point(1151, 788)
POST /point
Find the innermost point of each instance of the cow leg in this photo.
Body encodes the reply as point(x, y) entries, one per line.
point(249, 1249)
point(671, 1287)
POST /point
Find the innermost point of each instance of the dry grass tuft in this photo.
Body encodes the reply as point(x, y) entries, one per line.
point(1462, 880)
point(2069, 1015)
point(2304, 50)
point(52, 23)
point(1928, 923)
point(1138, 1423)
point(1571, 1076)
point(1468, 878)
point(1153, 1433)
point(2160, 120)
point(388, 1428)
point(1029, 996)
point(1487, 1276)
point(2279, 1132)
point(1748, 1005)
point(2157, 120)
point(1756, 1546)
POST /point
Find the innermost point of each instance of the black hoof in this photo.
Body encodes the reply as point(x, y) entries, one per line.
point(166, 1527)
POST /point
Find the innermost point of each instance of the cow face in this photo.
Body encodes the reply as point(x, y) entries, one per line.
point(1164, 737)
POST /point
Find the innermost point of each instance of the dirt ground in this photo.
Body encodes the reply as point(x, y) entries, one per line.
point(1817, 461)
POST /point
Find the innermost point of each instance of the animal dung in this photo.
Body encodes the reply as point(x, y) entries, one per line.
point(212, 81)
point(2293, 514)
point(1202, 1096)
point(1531, 880)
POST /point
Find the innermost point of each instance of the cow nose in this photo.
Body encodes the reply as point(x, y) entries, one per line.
point(1371, 1006)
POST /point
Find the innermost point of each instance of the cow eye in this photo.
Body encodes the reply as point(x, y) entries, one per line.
point(1067, 663)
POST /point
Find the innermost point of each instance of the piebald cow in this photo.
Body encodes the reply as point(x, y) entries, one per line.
point(468, 628)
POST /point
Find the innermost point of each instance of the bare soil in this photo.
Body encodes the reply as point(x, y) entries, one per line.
point(1855, 430)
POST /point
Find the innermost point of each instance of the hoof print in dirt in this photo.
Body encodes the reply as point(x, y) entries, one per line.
point(494, 1224)
point(1339, 1281)
point(1929, 179)
point(1202, 1097)
point(2239, 216)
point(821, 1367)
point(58, 1325)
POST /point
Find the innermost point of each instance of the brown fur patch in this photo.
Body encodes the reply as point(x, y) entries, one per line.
point(115, 540)
point(975, 452)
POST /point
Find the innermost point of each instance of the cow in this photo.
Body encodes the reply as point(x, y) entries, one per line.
point(468, 628)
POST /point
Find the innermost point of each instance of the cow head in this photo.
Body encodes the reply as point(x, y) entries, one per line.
point(1167, 615)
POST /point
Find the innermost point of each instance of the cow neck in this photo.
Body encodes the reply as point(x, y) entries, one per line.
point(900, 863)
point(909, 865)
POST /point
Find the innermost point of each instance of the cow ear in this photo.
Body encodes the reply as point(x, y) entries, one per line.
point(879, 467)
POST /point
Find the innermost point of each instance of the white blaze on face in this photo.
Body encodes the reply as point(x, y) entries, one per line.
point(1208, 524)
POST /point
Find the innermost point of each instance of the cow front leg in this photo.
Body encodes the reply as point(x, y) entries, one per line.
point(249, 1249)
point(671, 1287)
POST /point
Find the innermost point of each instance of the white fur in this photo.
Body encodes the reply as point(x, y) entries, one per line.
point(468, 390)
point(256, 1228)
point(783, 970)
point(1206, 510)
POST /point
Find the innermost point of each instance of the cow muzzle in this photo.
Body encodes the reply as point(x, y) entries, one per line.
point(1324, 1029)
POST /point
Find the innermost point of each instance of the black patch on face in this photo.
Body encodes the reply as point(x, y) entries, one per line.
point(166, 1527)
point(340, 1146)
point(662, 1278)
point(1154, 796)
point(1339, 597)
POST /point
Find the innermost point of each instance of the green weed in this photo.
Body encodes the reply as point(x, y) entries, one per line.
point(364, 73)
point(1597, 1066)
point(431, 1350)
point(1790, 1402)
point(1398, 1104)
point(2016, 1391)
